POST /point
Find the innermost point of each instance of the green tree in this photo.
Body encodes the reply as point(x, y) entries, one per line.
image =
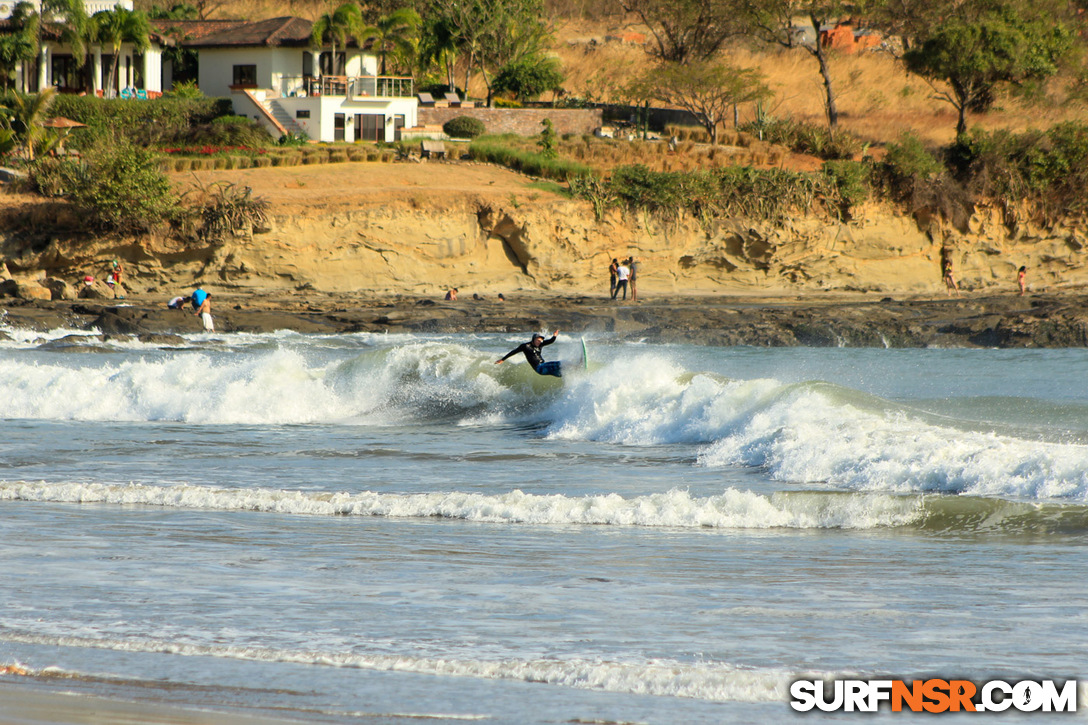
point(68, 20)
point(707, 89)
point(519, 33)
point(18, 45)
point(25, 115)
point(974, 55)
point(438, 46)
point(337, 28)
point(119, 26)
point(529, 77)
point(687, 29)
point(772, 21)
point(396, 33)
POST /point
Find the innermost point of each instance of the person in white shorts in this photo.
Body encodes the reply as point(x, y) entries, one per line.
point(205, 312)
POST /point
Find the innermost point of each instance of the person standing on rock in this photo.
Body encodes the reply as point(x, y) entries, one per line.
point(623, 272)
point(632, 264)
point(946, 272)
point(1020, 281)
point(612, 277)
point(203, 307)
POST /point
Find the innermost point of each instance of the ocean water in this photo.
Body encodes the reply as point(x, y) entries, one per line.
point(388, 528)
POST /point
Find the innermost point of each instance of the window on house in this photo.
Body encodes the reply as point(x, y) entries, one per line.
point(302, 114)
point(245, 76)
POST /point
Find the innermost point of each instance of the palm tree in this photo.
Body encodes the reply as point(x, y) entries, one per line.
point(394, 33)
point(118, 26)
point(26, 114)
point(18, 46)
point(68, 18)
point(438, 46)
point(337, 28)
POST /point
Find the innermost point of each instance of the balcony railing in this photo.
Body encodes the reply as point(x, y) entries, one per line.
point(348, 86)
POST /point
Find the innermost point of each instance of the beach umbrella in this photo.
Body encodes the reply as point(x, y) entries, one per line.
point(62, 125)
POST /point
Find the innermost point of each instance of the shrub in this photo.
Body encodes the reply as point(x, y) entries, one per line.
point(149, 122)
point(229, 209)
point(338, 157)
point(464, 127)
point(293, 139)
point(122, 187)
point(52, 177)
point(805, 138)
point(909, 159)
point(850, 181)
point(262, 162)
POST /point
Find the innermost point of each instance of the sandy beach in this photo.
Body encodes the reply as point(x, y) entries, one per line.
point(27, 705)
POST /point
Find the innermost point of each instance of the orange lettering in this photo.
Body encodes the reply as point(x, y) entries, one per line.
point(912, 695)
point(935, 691)
point(961, 692)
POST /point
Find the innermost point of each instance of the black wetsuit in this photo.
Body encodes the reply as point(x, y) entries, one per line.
point(535, 359)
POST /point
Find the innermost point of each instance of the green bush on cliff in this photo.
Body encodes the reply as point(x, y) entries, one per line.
point(734, 191)
point(1049, 167)
point(120, 186)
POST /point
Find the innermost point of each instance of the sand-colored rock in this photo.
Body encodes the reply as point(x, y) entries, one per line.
point(422, 228)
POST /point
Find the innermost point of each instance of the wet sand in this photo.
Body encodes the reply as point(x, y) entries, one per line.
point(26, 705)
point(859, 320)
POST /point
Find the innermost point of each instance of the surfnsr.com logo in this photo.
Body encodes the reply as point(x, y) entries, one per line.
point(934, 695)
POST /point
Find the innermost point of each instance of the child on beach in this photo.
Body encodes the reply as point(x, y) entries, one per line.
point(1020, 282)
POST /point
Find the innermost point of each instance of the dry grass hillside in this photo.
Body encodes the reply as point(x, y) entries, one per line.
point(877, 98)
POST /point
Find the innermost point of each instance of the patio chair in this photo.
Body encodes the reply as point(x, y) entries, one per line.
point(425, 99)
point(141, 94)
point(453, 99)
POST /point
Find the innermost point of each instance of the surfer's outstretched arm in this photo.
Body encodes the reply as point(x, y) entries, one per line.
point(551, 339)
point(515, 351)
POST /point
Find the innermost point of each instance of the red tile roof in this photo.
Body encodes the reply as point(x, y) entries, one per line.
point(286, 31)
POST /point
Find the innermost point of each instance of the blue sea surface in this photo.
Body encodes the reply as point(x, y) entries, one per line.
point(382, 528)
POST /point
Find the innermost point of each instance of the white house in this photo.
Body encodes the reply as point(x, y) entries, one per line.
point(59, 67)
point(272, 74)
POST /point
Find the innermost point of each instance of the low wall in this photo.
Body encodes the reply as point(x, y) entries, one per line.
point(520, 121)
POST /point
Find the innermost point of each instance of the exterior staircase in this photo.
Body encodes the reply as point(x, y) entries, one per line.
point(282, 116)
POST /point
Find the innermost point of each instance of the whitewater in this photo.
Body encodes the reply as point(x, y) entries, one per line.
point(344, 527)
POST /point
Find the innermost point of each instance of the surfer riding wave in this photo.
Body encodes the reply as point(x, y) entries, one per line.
point(533, 354)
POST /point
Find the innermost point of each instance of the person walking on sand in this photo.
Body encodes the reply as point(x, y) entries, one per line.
point(632, 265)
point(612, 268)
point(203, 308)
point(1020, 282)
point(623, 272)
point(534, 356)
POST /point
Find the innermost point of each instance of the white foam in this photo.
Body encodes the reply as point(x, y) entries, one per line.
point(806, 437)
point(711, 681)
point(733, 509)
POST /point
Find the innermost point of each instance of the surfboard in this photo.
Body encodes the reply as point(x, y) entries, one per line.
point(585, 355)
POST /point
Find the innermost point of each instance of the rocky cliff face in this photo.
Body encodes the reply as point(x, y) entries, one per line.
point(490, 244)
